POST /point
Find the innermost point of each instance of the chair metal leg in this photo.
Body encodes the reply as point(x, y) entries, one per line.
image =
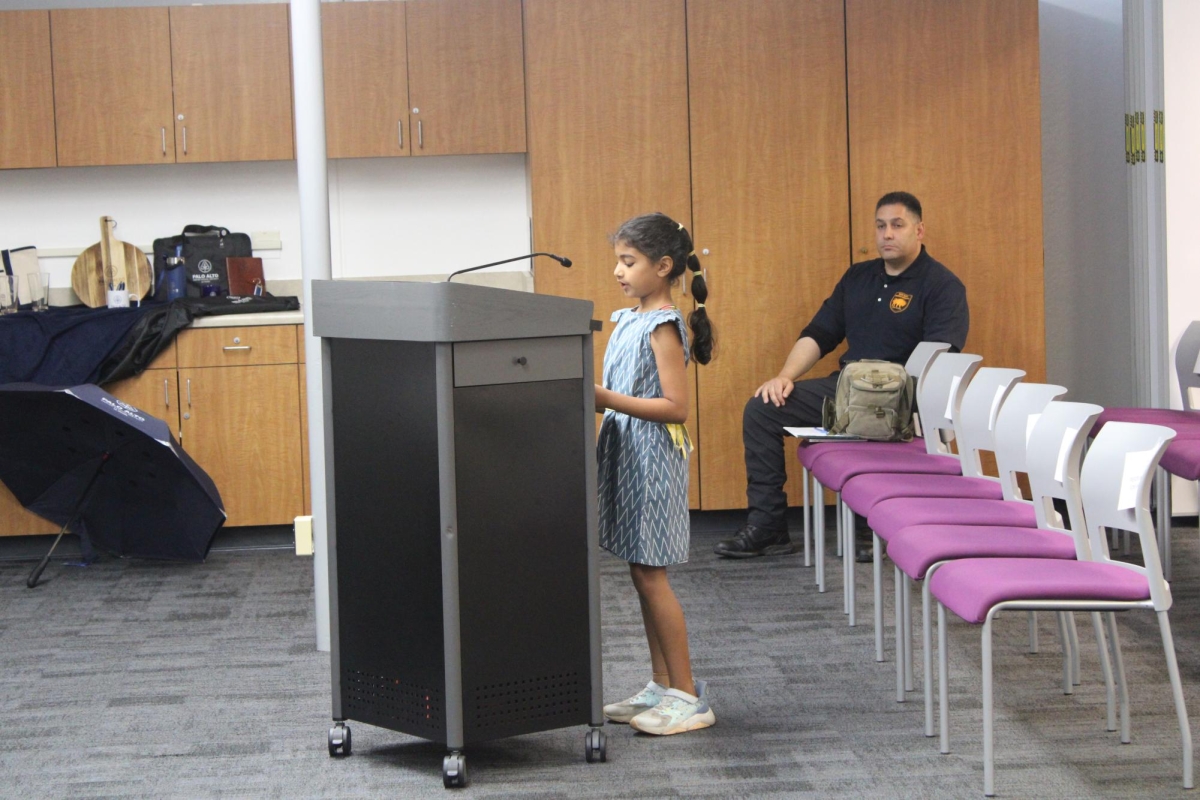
point(818, 511)
point(807, 519)
point(848, 548)
point(1110, 695)
point(877, 575)
point(989, 765)
point(1185, 730)
point(927, 655)
point(943, 678)
point(906, 616)
point(1033, 632)
point(898, 625)
point(1076, 678)
point(1114, 644)
point(1064, 639)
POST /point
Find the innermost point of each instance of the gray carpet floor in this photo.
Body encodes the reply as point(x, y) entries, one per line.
point(139, 679)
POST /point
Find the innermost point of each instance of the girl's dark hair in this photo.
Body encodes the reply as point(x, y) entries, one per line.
point(657, 235)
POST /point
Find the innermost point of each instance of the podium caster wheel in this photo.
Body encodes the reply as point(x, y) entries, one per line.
point(594, 746)
point(454, 771)
point(339, 740)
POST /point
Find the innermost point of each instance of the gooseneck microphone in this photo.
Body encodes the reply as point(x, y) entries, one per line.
point(566, 262)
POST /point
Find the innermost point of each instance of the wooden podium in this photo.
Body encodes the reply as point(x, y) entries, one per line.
point(461, 491)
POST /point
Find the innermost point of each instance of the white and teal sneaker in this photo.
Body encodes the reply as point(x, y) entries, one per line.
point(678, 712)
point(644, 700)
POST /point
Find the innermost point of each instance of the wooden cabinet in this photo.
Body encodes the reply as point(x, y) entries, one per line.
point(155, 391)
point(366, 79)
point(232, 76)
point(466, 81)
point(944, 102)
point(768, 110)
point(608, 139)
point(26, 91)
point(112, 104)
point(240, 417)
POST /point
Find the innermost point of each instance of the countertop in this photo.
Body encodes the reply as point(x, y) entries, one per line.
point(247, 320)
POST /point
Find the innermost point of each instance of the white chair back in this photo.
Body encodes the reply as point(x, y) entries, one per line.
point(921, 357)
point(939, 396)
point(1013, 428)
point(1187, 365)
point(1055, 451)
point(975, 427)
point(1116, 494)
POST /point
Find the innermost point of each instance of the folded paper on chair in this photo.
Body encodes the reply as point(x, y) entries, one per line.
point(821, 433)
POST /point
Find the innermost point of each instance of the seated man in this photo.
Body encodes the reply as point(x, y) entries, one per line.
point(883, 308)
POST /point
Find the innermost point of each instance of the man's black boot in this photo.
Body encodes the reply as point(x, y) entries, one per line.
point(751, 540)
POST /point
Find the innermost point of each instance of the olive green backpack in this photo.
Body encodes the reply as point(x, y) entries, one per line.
point(874, 400)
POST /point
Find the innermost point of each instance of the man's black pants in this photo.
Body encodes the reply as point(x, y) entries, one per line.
point(762, 438)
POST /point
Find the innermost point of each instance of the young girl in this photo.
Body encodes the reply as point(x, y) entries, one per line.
point(642, 452)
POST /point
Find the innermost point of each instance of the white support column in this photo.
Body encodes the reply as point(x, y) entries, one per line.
point(315, 263)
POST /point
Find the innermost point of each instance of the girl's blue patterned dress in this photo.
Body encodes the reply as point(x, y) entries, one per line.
point(643, 475)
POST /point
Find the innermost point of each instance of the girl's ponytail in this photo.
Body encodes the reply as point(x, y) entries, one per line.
point(657, 235)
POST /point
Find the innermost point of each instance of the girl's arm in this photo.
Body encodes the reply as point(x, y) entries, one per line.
point(672, 374)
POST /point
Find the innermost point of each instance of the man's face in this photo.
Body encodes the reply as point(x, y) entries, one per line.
point(898, 235)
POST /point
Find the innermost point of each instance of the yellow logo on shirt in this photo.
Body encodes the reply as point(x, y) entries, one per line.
point(900, 301)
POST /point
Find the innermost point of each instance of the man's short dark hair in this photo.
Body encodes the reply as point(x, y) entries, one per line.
point(903, 198)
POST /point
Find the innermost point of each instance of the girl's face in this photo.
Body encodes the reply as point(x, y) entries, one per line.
point(638, 276)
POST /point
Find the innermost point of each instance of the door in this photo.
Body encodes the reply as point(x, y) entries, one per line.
point(366, 79)
point(112, 102)
point(155, 391)
point(465, 76)
point(231, 68)
point(242, 426)
point(608, 139)
point(944, 103)
point(26, 91)
point(769, 197)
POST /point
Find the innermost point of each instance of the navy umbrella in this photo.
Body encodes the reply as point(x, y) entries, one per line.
point(106, 470)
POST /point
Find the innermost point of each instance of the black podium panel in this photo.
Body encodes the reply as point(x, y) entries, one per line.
point(522, 558)
point(389, 555)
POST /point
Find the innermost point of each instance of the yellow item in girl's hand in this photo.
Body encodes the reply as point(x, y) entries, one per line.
point(680, 438)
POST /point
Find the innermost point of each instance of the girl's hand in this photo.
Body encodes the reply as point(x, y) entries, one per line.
point(601, 399)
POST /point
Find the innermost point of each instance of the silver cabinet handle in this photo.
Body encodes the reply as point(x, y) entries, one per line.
point(189, 392)
point(166, 394)
point(164, 139)
point(400, 132)
point(420, 136)
point(243, 347)
point(185, 140)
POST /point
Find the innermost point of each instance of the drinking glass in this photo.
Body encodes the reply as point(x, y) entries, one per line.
point(39, 290)
point(8, 294)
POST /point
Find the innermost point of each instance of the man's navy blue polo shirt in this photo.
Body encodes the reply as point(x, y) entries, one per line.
point(885, 316)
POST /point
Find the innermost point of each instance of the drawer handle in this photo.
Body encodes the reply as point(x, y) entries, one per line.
point(521, 360)
point(242, 347)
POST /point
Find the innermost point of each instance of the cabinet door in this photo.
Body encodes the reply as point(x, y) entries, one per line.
point(242, 426)
point(112, 103)
point(155, 391)
point(233, 83)
point(26, 91)
point(366, 79)
point(465, 77)
point(608, 139)
point(945, 103)
point(769, 198)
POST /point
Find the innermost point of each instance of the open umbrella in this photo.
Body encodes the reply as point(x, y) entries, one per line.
point(108, 471)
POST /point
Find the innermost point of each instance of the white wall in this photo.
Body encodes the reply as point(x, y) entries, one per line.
point(1181, 65)
point(388, 216)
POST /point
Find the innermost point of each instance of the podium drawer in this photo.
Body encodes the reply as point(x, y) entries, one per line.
point(517, 361)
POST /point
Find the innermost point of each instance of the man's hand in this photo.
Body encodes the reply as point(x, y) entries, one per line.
point(775, 390)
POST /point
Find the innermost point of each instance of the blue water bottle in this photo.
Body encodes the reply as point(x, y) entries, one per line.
point(176, 275)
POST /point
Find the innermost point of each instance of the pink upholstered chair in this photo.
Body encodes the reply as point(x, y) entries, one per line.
point(939, 397)
point(1115, 487)
point(1052, 459)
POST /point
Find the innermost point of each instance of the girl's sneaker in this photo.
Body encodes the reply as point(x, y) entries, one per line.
point(678, 712)
point(644, 700)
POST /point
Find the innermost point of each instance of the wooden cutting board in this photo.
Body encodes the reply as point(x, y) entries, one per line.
point(110, 260)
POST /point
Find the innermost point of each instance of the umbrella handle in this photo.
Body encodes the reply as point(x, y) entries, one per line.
point(32, 580)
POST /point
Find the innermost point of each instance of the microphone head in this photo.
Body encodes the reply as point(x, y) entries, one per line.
point(566, 262)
